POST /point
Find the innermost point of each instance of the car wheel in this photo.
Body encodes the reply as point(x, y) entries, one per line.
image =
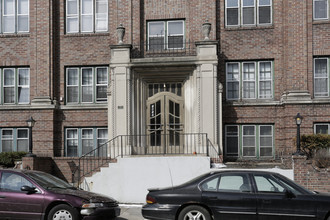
point(194, 212)
point(63, 212)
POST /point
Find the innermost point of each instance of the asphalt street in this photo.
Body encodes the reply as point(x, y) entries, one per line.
point(130, 212)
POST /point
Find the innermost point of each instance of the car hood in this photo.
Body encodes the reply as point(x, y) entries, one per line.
point(89, 196)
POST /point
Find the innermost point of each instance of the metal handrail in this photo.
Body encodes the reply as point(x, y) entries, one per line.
point(151, 144)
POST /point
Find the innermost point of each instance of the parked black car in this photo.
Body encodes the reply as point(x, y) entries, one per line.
point(27, 194)
point(234, 194)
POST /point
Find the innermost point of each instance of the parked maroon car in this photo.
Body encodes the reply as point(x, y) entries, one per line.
point(27, 194)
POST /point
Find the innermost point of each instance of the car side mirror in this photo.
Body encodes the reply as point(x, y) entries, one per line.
point(289, 194)
point(28, 189)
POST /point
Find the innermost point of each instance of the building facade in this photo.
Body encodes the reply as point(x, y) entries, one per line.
point(63, 63)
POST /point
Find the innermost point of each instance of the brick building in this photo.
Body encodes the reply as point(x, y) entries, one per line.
point(242, 84)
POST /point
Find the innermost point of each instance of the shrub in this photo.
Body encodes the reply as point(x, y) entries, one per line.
point(312, 143)
point(317, 147)
point(7, 159)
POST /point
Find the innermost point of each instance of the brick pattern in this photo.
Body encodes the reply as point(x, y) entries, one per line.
point(309, 176)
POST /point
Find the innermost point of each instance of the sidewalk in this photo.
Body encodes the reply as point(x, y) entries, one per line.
point(130, 212)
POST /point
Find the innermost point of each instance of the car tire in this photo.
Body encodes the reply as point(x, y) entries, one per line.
point(194, 212)
point(64, 212)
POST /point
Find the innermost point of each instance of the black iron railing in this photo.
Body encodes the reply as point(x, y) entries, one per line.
point(158, 48)
point(156, 144)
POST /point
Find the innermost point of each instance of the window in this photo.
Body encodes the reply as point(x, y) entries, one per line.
point(165, 35)
point(321, 77)
point(234, 183)
point(86, 85)
point(266, 184)
point(11, 182)
point(249, 80)
point(321, 9)
point(14, 16)
point(249, 141)
point(322, 128)
point(81, 141)
point(86, 16)
point(15, 83)
point(14, 139)
point(248, 12)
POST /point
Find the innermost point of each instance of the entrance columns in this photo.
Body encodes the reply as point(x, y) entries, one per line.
point(119, 91)
point(207, 87)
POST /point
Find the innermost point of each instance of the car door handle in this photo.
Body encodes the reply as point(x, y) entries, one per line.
point(212, 198)
point(2, 197)
point(266, 201)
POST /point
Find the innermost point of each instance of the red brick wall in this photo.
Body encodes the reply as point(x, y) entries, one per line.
point(309, 176)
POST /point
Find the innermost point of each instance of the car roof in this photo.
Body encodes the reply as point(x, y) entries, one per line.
point(24, 171)
point(242, 171)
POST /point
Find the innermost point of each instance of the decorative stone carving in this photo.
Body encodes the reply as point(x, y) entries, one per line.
point(206, 30)
point(120, 33)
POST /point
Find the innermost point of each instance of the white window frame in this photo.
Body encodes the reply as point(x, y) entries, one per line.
point(103, 84)
point(256, 6)
point(168, 34)
point(80, 86)
point(68, 139)
point(233, 81)
point(26, 138)
point(27, 15)
point(325, 78)
point(327, 17)
point(266, 80)
point(238, 14)
point(271, 13)
point(150, 36)
point(269, 136)
point(257, 81)
point(95, 17)
point(249, 80)
point(255, 140)
point(87, 85)
point(9, 86)
point(254, 13)
point(87, 138)
point(316, 124)
point(23, 86)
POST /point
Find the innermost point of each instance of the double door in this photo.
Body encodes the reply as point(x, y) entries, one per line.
point(165, 123)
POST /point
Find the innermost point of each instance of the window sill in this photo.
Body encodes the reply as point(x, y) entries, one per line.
point(252, 27)
point(259, 102)
point(84, 106)
point(15, 35)
point(319, 22)
point(68, 35)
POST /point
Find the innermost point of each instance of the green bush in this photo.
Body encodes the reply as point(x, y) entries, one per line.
point(312, 143)
point(7, 159)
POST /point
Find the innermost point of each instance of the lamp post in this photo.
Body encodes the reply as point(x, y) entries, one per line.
point(298, 120)
point(30, 122)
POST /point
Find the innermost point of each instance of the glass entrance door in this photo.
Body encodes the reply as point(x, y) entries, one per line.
point(165, 123)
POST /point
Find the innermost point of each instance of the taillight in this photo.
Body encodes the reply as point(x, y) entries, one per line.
point(151, 200)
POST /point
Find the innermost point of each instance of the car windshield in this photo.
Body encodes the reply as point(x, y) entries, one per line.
point(48, 181)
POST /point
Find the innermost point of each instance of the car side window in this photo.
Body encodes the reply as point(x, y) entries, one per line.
point(234, 183)
point(267, 184)
point(210, 185)
point(12, 182)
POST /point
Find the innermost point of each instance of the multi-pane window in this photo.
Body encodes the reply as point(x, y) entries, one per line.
point(86, 16)
point(248, 12)
point(15, 84)
point(249, 80)
point(14, 16)
point(249, 140)
point(321, 77)
point(165, 35)
point(321, 9)
point(81, 141)
point(86, 85)
point(322, 128)
point(14, 139)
